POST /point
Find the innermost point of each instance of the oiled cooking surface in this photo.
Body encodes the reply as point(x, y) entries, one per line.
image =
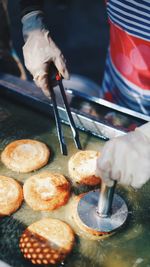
point(127, 248)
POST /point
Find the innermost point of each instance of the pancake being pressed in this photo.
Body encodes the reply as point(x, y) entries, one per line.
point(46, 191)
point(25, 155)
point(11, 195)
point(47, 241)
point(82, 167)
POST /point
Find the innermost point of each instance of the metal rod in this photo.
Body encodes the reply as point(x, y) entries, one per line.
point(63, 146)
point(71, 121)
point(53, 81)
point(105, 200)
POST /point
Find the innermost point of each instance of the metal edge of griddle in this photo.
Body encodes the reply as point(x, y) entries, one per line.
point(86, 124)
point(112, 106)
point(27, 93)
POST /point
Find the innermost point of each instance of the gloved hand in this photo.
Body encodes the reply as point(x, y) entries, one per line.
point(126, 158)
point(40, 50)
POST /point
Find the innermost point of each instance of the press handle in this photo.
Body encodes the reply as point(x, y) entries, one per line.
point(105, 200)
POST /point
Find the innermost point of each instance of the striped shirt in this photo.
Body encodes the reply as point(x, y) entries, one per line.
point(127, 74)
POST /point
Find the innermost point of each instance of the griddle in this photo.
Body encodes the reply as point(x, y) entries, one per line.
point(24, 113)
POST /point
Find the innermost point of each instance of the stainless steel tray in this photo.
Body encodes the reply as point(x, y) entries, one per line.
point(99, 117)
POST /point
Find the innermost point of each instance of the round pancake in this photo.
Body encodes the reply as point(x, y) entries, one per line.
point(11, 195)
point(25, 155)
point(46, 191)
point(47, 241)
point(82, 167)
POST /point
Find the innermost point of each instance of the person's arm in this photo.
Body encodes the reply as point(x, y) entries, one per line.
point(39, 50)
point(126, 159)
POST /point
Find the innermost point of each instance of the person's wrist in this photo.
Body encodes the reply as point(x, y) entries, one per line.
point(32, 22)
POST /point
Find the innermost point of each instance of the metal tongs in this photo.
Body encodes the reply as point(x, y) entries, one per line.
point(56, 79)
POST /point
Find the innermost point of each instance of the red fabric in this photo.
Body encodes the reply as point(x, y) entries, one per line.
point(131, 56)
point(108, 96)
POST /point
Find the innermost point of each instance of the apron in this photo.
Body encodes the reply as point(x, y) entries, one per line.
point(127, 73)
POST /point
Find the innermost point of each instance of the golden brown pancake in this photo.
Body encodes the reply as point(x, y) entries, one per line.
point(82, 167)
point(46, 191)
point(25, 155)
point(11, 195)
point(47, 241)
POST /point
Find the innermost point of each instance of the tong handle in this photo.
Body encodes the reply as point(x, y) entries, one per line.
point(71, 121)
point(56, 79)
point(62, 143)
point(54, 76)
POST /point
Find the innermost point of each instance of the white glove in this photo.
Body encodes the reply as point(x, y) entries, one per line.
point(126, 158)
point(40, 50)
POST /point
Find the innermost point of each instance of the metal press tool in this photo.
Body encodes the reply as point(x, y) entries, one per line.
point(102, 211)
